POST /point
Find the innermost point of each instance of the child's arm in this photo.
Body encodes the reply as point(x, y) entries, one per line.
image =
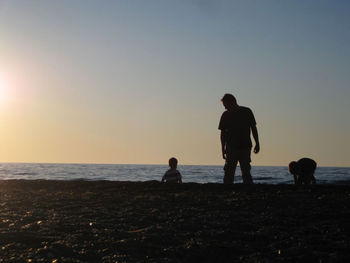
point(180, 179)
point(299, 180)
point(295, 179)
point(313, 179)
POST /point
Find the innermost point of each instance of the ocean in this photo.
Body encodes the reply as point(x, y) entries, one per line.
point(190, 173)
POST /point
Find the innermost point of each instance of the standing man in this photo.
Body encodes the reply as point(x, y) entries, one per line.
point(235, 125)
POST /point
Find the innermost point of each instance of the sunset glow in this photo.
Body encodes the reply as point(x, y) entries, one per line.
point(3, 87)
point(139, 82)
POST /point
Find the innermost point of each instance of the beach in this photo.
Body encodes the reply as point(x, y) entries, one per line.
point(105, 221)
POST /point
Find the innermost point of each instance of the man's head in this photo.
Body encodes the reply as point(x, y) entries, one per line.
point(173, 163)
point(294, 168)
point(229, 101)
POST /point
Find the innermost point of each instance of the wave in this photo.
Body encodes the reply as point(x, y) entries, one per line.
point(25, 173)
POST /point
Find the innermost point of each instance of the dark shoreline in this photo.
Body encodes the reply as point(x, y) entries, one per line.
point(104, 221)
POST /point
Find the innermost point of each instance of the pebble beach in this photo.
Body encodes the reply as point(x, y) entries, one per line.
point(104, 221)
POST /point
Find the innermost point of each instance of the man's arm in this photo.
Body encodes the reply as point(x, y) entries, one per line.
point(223, 144)
point(256, 138)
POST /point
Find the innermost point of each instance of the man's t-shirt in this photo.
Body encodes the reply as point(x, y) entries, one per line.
point(236, 125)
point(172, 176)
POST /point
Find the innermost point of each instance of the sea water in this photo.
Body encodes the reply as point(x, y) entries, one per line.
point(190, 173)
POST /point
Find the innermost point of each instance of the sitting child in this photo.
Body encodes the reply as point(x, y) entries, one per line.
point(172, 175)
point(303, 171)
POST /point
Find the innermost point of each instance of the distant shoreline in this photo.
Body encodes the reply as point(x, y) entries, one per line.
point(337, 183)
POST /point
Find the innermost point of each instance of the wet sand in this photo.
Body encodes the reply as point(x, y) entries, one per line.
point(80, 221)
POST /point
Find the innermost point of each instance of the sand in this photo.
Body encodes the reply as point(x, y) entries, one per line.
point(81, 221)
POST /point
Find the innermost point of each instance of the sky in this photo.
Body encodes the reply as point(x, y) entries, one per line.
point(137, 82)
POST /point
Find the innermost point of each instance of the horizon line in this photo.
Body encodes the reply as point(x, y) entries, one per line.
point(149, 164)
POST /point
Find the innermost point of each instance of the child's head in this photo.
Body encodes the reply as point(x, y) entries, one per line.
point(294, 168)
point(173, 163)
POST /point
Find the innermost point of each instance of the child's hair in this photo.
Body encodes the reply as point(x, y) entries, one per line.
point(173, 162)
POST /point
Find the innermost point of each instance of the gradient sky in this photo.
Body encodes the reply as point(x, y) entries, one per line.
point(141, 81)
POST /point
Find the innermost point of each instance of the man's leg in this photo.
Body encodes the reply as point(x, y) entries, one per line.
point(244, 162)
point(230, 166)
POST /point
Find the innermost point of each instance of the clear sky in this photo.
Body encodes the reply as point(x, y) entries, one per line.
point(141, 81)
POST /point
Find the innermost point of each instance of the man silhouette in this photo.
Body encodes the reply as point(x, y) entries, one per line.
point(236, 123)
